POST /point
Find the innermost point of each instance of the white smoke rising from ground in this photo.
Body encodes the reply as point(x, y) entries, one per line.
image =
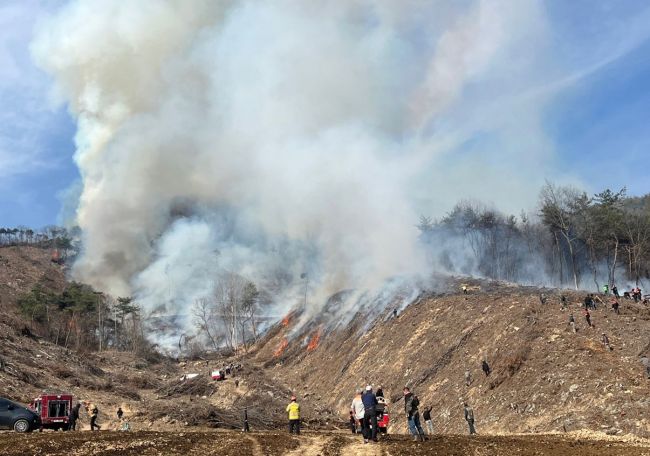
point(321, 129)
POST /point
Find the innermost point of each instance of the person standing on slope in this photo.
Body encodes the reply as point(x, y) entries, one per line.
point(469, 417)
point(411, 403)
point(486, 368)
point(572, 323)
point(293, 409)
point(468, 377)
point(588, 318)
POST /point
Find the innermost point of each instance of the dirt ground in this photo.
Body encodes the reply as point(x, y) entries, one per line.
point(308, 444)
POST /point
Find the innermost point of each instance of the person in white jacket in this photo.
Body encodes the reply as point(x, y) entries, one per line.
point(358, 411)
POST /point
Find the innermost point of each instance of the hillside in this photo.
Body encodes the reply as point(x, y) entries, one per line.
point(544, 377)
point(23, 267)
point(150, 388)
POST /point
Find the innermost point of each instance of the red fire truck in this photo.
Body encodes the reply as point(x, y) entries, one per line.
point(54, 410)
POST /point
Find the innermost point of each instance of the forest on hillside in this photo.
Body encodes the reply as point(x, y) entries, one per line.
point(572, 239)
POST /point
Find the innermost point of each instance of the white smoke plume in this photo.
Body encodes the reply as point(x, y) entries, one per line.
point(290, 136)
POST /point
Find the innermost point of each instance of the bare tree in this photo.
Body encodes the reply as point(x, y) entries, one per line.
point(206, 321)
point(229, 299)
point(559, 210)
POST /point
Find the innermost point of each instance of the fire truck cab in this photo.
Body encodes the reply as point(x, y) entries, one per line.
point(53, 409)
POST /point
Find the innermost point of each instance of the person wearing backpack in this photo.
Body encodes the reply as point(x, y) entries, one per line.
point(411, 403)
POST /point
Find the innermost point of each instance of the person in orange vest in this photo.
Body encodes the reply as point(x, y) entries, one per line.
point(293, 409)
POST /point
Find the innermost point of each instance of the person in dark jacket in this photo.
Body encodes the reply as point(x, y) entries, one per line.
point(94, 412)
point(411, 403)
point(564, 303)
point(120, 413)
point(469, 417)
point(74, 416)
point(370, 414)
point(427, 419)
point(380, 392)
point(486, 368)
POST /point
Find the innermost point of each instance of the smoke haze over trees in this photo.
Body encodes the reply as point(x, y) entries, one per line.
point(571, 239)
point(574, 240)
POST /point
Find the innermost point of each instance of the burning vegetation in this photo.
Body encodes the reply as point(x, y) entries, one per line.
point(282, 346)
point(314, 341)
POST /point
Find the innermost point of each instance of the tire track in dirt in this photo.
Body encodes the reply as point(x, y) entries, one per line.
point(358, 448)
point(312, 446)
point(257, 448)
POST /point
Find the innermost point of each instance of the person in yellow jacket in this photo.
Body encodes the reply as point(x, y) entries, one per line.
point(294, 416)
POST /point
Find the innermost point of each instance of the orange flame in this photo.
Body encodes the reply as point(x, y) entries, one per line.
point(286, 320)
point(284, 343)
point(314, 341)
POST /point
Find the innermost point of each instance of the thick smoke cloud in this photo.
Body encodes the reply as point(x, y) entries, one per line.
point(276, 138)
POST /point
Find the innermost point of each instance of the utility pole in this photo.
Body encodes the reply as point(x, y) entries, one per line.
point(246, 426)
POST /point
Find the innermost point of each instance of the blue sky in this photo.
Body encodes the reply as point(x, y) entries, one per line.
point(596, 120)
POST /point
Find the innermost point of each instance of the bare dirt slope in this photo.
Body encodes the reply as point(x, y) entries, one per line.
point(22, 267)
point(544, 377)
point(206, 443)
